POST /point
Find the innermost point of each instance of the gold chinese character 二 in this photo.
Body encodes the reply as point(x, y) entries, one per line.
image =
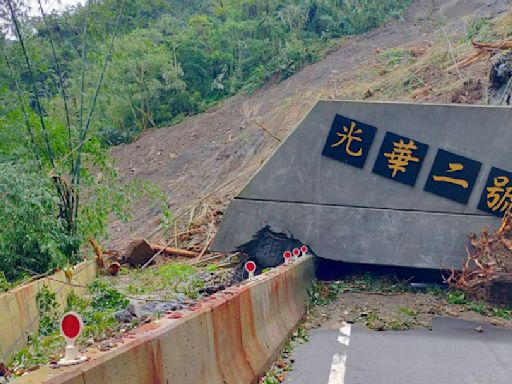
point(499, 197)
point(454, 167)
point(347, 137)
point(401, 155)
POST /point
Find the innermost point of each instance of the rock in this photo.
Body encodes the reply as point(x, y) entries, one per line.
point(161, 307)
point(479, 329)
point(135, 309)
point(501, 72)
point(106, 345)
point(124, 316)
point(139, 252)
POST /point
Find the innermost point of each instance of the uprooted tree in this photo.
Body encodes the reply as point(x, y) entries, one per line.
point(489, 259)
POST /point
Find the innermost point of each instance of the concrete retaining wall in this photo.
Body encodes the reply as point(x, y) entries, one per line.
point(18, 309)
point(231, 338)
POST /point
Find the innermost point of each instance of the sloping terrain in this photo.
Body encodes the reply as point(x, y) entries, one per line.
point(214, 154)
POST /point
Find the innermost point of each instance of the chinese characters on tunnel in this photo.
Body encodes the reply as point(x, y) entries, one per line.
point(452, 176)
point(497, 195)
point(400, 159)
point(349, 141)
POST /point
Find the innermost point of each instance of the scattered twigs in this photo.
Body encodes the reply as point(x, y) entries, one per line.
point(209, 237)
point(455, 64)
point(268, 131)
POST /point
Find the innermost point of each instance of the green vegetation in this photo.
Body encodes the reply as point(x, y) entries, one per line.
point(58, 187)
point(482, 308)
point(167, 280)
point(480, 29)
point(32, 237)
point(325, 292)
point(175, 58)
point(97, 311)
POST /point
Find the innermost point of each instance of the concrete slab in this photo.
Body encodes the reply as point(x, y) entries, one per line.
point(336, 208)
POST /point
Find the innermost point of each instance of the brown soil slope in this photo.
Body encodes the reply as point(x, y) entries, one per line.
point(402, 60)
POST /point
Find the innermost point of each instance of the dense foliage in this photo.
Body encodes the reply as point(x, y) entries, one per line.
point(31, 237)
point(174, 58)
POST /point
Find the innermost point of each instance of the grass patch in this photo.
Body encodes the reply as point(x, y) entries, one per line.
point(393, 58)
point(480, 307)
point(480, 29)
point(97, 311)
point(168, 280)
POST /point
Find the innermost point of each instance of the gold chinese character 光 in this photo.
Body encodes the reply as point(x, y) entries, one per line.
point(454, 167)
point(401, 155)
point(347, 137)
point(499, 197)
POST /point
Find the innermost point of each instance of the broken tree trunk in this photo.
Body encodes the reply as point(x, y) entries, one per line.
point(139, 252)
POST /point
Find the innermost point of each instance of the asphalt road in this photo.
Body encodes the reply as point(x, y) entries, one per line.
point(452, 353)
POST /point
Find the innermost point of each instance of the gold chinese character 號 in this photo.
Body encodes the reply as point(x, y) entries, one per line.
point(401, 155)
point(499, 197)
point(347, 137)
point(454, 167)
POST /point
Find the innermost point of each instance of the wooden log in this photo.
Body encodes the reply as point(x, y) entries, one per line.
point(174, 251)
point(140, 252)
point(505, 44)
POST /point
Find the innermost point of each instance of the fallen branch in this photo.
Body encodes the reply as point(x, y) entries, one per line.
point(500, 45)
point(484, 51)
point(141, 252)
point(268, 131)
point(99, 253)
point(174, 251)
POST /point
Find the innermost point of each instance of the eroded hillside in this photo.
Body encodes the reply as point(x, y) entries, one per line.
point(209, 157)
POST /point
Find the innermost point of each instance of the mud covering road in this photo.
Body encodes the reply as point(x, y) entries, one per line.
point(455, 351)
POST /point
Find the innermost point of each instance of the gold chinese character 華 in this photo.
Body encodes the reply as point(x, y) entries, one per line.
point(401, 155)
point(499, 197)
point(454, 167)
point(347, 137)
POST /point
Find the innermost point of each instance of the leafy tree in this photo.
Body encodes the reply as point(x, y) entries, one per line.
point(31, 237)
point(57, 137)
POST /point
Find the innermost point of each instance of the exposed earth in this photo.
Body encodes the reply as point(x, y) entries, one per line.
point(215, 153)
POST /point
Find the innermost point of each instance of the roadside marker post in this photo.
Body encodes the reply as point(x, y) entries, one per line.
point(250, 267)
point(71, 326)
point(296, 253)
point(304, 250)
point(287, 257)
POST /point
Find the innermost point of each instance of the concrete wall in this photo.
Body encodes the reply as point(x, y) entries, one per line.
point(18, 310)
point(230, 339)
point(354, 215)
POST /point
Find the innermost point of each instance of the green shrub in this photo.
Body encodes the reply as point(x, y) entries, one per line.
point(32, 238)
